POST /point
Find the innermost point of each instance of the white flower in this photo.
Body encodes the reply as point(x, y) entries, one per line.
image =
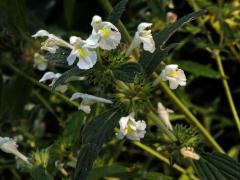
point(52, 76)
point(8, 145)
point(188, 152)
point(40, 62)
point(164, 115)
point(41, 33)
point(132, 129)
point(171, 17)
point(142, 36)
point(52, 43)
point(171, 5)
point(88, 100)
point(104, 34)
point(174, 75)
point(87, 58)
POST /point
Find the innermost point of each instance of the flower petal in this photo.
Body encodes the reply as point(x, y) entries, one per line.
point(74, 40)
point(148, 43)
point(164, 115)
point(61, 88)
point(85, 108)
point(92, 40)
point(42, 67)
point(182, 78)
point(47, 76)
point(143, 26)
point(51, 49)
point(41, 33)
point(173, 84)
point(111, 42)
point(96, 20)
point(90, 98)
point(71, 58)
point(89, 61)
point(123, 122)
point(141, 125)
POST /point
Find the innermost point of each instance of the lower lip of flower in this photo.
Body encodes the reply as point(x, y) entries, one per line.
point(173, 73)
point(82, 53)
point(105, 32)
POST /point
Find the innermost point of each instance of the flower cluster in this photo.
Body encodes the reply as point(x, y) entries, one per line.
point(84, 53)
point(104, 35)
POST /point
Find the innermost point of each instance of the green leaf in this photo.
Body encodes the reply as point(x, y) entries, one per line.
point(75, 71)
point(117, 11)
point(198, 69)
point(100, 129)
point(95, 134)
point(113, 170)
point(150, 61)
point(59, 58)
point(127, 72)
point(217, 166)
point(39, 173)
point(73, 126)
point(88, 153)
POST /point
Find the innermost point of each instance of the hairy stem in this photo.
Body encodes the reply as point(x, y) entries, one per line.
point(160, 157)
point(226, 88)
